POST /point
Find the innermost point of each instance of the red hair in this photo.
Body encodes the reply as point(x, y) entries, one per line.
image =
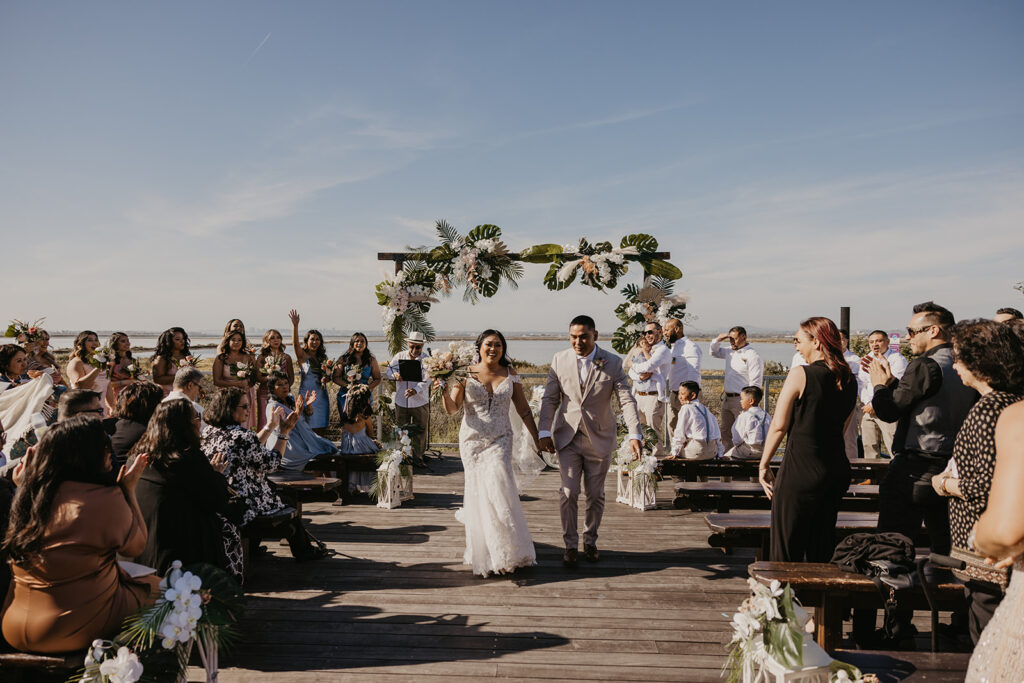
point(826, 332)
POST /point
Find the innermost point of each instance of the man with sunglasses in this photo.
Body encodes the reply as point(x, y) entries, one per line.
point(743, 368)
point(929, 404)
point(649, 366)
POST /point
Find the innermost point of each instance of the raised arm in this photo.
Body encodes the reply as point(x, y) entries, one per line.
point(300, 355)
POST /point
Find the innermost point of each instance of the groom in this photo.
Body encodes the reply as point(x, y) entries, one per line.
point(577, 410)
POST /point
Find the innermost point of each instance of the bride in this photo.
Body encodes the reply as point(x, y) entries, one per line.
point(497, 539)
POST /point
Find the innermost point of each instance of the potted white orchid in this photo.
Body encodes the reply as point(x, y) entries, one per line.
point(393, 482)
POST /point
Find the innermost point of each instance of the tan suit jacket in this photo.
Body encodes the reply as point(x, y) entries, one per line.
point(568, 408)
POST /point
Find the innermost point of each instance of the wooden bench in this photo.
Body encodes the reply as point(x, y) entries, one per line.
point(342, 464)
point(294, 486)
point(752, 529)
point(16, 667)
point(863, 469)
point(725, 495)
point(831, 592)
point(933, 667)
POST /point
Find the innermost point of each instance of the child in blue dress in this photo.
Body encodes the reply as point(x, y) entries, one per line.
point(356, 422)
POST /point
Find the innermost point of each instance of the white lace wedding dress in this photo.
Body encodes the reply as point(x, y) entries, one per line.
point(497, 538)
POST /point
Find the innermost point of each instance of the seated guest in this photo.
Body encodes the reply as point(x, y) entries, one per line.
point(70, 518)
point(183, 496)
point(188, 384)
point(990, 359)
point(1006, 314)
point(132, 409)
point(13, 366)
point(697, 435)
point(750, 429)
point(270, 359)
point(302, 444)
point(356, 421)
point(249, 461)
point(79, 402)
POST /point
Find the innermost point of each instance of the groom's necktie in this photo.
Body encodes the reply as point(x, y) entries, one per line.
point(583, 365)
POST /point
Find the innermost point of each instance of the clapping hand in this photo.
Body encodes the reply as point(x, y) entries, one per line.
point(276, 416)
point(128, 477)
point(879, 370)
point(287, 424)
point(300, 403)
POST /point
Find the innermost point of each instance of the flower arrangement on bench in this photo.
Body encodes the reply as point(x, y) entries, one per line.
point(393, 483)
point(637, 480)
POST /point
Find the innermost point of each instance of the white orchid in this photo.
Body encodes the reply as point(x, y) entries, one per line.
point(744, 626)
point(124, 668)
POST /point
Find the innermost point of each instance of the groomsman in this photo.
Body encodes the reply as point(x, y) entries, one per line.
point(685, 366)
point(412, 398)
point(743, 368)
point(873, 431)
point(649, 367)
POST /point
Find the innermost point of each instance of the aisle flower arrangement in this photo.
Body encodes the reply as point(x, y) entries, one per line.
point(198, 607)
point(769, 640)
point(393, 481)
point(637, 480)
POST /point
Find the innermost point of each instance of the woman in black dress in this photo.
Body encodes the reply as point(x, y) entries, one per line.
point(812, 411)
point(183, 496)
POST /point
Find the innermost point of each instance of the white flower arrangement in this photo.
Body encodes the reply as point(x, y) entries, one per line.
point(405, 298)
point(393, 480)
point(104, 664)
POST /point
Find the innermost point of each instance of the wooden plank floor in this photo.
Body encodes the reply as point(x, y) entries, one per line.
point(396, 602)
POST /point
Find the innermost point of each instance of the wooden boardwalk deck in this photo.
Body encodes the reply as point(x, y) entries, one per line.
point(396, 602)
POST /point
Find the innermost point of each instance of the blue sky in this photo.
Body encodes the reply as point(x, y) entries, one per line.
point(185, 163)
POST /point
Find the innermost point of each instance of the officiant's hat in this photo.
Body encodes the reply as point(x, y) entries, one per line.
point(416, 338)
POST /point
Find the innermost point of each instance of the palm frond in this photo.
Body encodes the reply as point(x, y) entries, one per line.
point(447, 233)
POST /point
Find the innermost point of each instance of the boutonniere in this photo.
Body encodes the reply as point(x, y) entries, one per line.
point(599, 363)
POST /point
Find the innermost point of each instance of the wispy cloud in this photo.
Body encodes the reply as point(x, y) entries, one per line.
point(258, 47)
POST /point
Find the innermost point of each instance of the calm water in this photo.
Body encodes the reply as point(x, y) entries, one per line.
point(536, 351)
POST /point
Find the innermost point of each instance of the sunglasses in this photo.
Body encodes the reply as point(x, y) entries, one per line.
point(911, 331)
point(650, 332)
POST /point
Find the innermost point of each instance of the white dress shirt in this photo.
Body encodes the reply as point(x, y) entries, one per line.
point(658, 365)
point(852, 359)
point(584, 364)
point(695, 422)
point(897, 365)
point(422, 395)
point(751, 427)
point(686, 359)
point(743, 367)
point(177, 394)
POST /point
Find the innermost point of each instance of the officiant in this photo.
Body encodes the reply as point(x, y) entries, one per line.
point(412, 390)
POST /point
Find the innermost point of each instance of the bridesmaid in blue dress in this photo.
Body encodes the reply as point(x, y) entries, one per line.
point(358, 355)
point(303, 444)
point(311, 356)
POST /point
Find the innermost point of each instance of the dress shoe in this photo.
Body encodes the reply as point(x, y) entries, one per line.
point(590, 552)
point(571, 557)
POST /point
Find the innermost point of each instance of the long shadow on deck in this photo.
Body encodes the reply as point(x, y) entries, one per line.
point(312, 634)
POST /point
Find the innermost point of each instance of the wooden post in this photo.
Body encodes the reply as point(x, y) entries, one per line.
point(844, 319)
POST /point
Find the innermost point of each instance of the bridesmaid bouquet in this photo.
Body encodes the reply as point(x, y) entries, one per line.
point(134, 370)
point(451, 363)
point(244, 371)
point(102, 358)
point(353, 373)
point(24, 332)
point(326, 372)
point(187, 362)
point(270, 365)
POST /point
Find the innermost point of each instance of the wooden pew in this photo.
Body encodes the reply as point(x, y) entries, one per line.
point(18, 667)
point(751, 529)
point(831, 592)
point(725, 495)
point(863, 469)
point(294, 486)
point(342, 464)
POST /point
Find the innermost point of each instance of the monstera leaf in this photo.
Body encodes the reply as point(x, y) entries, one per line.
point(483, 232)
point(540, 253)
point(623, 341)
point(645, 244)
point(662, 269)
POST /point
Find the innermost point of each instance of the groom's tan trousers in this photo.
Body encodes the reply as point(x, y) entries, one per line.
point(577, 462)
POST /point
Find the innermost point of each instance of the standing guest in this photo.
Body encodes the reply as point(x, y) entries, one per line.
point(234, 325)
point(750, 430)
point(356, 424)
point(813, 409)
point(874, 432)
point(743, 368)
point(1006, 314)
point(929, 405)
point(13, 367)
point(41, 358)
point(686, 361)
point(303, 444)
point(123, 370)
point(184, 498)
point(850, 435)
point(71, 517)
point(412, 398)
point(311, 357)
point(132, 409)
point(86, 369)
point(234, 367)
point(697, 436)
point(999, 535)
point(272, 358)
point(990, 360)
point(649, 369)
point(172, 348)
point(356, 366)
point(249, 462)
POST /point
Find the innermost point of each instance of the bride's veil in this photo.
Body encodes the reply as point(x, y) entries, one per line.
point(526, 464)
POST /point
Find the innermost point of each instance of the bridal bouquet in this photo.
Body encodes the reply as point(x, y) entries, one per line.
point(187, 362)
point(197, 607)
point(451, 363)
point(25, 333)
